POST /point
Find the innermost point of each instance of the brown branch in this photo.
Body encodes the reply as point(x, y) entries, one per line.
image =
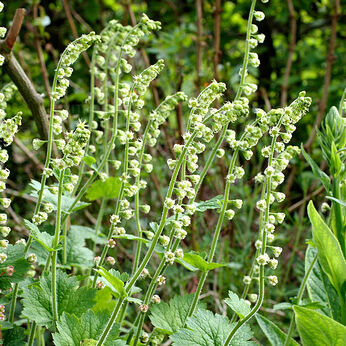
point(20, 79)
point(73, 28)
point(199, 14)
point(217, 52)
point(292, 45)
point(40, 54)
point(15, 28)
point(329, 61)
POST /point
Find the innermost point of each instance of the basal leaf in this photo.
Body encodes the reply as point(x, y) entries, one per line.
point(239, 306)
point(274, 334)
point(38, 299)
point(171, 317)
point(78, 255)
point(104, 189)
point(205, 328)
point(74, 331)
point(329, 252)
point(318, 330)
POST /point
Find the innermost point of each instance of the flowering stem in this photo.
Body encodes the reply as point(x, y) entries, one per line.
point(263, 235)
point(54, 245)
point(150, 251)
point(43, 180)
point(139, 230)
point(122, 187)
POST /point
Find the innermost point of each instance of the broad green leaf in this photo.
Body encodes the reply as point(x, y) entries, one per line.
point(43, 238)
point(274, 334)
point(38, 299)
point(14, 336)
point(66, 201)
point(89, 160)
point(319, 287)
point(15, 258)
point(193, 262)
point(329, 252)
point(104, 301)
point(88, 233)
point(318, 330)
point(239, 306)
point(323, 177)
point(213, 203)
point(104, 189)
point(205, 328)
point(114, 280)
point(77, 254)
point(171, 317)
point(74, 331)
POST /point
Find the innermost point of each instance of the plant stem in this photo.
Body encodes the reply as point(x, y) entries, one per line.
point(300, 294)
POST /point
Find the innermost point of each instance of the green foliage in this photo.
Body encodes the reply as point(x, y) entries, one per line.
point(15, 258)
point(205, 328)
point(78, 254)
point(318, 330)
point(171, 317)
point(71, 299)
point(239, 306)
point(320, 289)
point(193, 262)
point(104, 189)
point(14, 336)
point(67, 201)
point(84, 330)
point(115, 279)
point(274, 334)
point(329, 253)
point(43, 238)
point(213, 203)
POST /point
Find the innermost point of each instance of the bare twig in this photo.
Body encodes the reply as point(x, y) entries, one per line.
point(199, 14)
point(292, 45)
point(27, 152)
point(40, 54)
point(264, 94)
point(20, 79)
point(217, 52)
point(307, 198)
point(330, 61)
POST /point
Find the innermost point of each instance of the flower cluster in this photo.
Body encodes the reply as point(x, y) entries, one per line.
point(8, 129)
point(69, 56)
point(280, 123)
